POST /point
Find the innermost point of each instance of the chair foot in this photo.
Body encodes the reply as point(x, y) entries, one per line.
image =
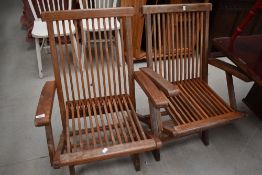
point(156, 154)
point(205, 137)
point(41, 75)
point(38, 56)
point(72, 170)
point(136, 161)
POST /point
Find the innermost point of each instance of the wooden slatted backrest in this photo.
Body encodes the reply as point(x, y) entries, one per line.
point(177, 40)
point(105, 73)
point(39, 6)
point(88, 4)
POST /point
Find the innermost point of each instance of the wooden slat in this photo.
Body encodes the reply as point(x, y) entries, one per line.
point(88, 156)
point(179, 108)
point(177, 46)
point(129, 114)
point(83, 35)
point(209, 103)
point(112, 56)
point(197, 44)
point(81, 14)
point(159, 43)
point(219, 99)
point(85, 125)
point(164, 38)
point(116, 128)
point(185, 36)
point(173, 47)
point(134, 116)
point(129, 58)
point(204, 124)
point(190, 57)
point(123, 56)
point(78, 53)
point(67, 41)
point(175, 116)
point(169, 70)
point(109, 123)
point(79, 127)
point(98, 78)
point(201, 43)
point(107, 62)
point(118, 45)
point(177, 8)
point(155, 43)
point(180, 29)
point(74, 56)
point(103, 124)
point(62, 58)
point(200, 100)
point(68, 145)
point(120, 121)
point(74, 130)
point(193, 46)
point(94, 144)
point(193, 103)
point(126, 120)
point(97, 124)
point(221, 106)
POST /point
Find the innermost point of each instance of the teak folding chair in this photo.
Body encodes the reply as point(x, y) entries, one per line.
point(97, 105)
point(177, 49)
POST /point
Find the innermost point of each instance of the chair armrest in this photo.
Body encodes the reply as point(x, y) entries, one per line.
point(168, 88)
point(45, 104)
point(229, 68)
point(155, 95)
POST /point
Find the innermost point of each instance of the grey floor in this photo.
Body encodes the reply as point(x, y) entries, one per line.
point(235, 149)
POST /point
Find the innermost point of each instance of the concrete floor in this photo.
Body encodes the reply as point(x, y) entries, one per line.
point(234, 149)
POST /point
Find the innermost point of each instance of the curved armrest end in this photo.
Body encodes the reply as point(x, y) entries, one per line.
point(167, 87)
point(45, 104)
point(155, 95)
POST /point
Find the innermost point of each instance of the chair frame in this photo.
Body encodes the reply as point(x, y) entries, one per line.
point(163, 80)
point(62, 155)
point(48, 6)
point(232, 70)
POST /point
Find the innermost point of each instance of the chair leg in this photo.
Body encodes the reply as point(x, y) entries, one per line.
point(38, 56)
point(78, 57)
point(136, 161)
point(82, 52)
point(72, 170)
point(231, 91)
point(119, 48)
point(156, 126)
point(205, 137)
point(156, 154)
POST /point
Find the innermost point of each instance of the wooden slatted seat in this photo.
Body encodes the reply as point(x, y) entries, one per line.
point(197, 107)
point(118, 124)
point(179, 33)
point(97, 98)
